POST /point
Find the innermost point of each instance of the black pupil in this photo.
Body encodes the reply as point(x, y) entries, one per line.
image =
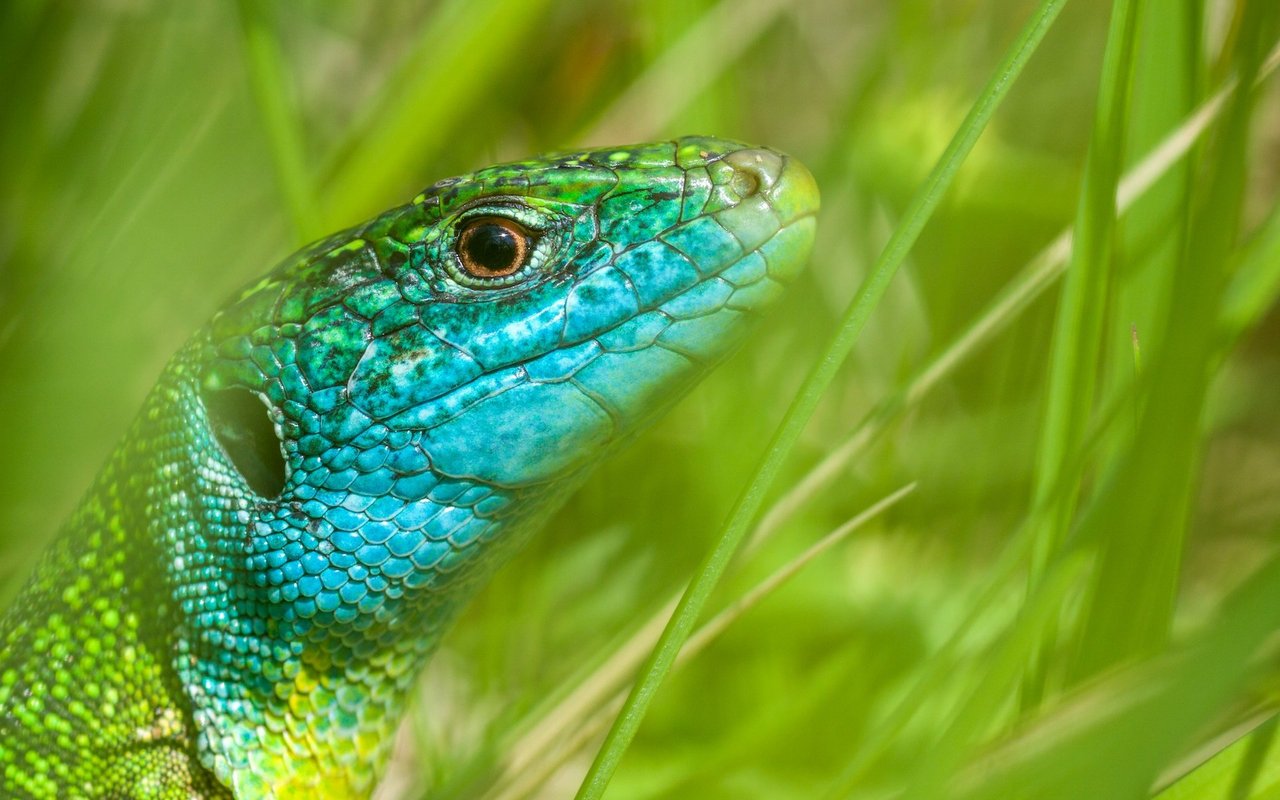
point(492, 247)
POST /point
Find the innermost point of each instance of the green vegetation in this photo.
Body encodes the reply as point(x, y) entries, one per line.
point(1074, 588)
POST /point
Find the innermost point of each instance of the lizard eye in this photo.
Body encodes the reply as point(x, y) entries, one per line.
point(240, 422)
point(493, 247)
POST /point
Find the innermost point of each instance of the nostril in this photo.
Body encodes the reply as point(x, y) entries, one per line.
point(755, 171)
point(745, 183)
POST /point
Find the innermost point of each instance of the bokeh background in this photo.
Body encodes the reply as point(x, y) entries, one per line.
point(1057, 609)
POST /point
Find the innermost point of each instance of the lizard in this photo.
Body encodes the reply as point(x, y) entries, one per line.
point(329, 467)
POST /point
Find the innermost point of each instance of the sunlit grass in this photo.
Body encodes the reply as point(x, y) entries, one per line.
point(1077, 596)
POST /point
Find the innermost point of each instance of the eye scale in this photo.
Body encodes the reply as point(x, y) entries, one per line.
point(492, 247)
point(328, 469)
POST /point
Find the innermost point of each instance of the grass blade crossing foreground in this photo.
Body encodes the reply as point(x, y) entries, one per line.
point(1241, 760)
point(282, 122)
point(465, 48)
point(585, 713)
point(1251, 291)
point(1138, 715)
point(1247, 298)
point(683, 70)
point(1076, 357)
point(1073, 365)
point(1150, 496)
point(855, 319)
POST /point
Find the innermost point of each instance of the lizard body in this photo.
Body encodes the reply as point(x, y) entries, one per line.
point(328, 469)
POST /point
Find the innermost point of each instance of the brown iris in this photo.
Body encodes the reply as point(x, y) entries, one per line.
point(492, 247)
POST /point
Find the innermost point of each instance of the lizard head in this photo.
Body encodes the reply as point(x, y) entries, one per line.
point(491, 339)
point(562, 303)
point(398, 403)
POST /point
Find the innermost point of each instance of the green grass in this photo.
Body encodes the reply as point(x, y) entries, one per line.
point(1076, 597)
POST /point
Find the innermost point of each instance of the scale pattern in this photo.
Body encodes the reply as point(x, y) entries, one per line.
point(209, 624)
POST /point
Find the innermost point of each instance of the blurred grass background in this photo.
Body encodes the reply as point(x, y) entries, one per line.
point(1080, 596)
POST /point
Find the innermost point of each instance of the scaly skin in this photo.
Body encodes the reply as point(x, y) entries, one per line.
point(214, 623)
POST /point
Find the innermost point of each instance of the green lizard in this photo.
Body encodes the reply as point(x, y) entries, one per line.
point(331, 465)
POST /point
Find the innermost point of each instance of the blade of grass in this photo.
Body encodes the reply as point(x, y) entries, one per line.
point(683, 71)
point(465, 45)
point(1140, 516)
point(934, 678)
point(1258, 273)
point(934, 671)
point(1000, 664)
point(855, 318)
point(585, 713)
point(1032, 281)
point(1075, 354)
point(1256, 282)
point(1166, 89)
point(1230, 766)
point(1109, 741)
point(1166, 86)
point(269, 79)
point(1247, 299)
point(1001, 667)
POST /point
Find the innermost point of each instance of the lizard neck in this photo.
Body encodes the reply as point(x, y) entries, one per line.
point(293, 695)
point(326, 732)
point(301, 621)
point(89, 692)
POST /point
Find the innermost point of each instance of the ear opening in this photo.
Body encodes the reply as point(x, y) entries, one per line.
point(240, 421)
